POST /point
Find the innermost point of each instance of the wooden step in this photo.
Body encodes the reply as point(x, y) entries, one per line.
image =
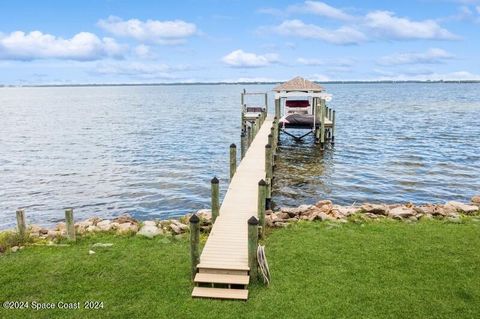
point(222, 279)
point(220, 293)
point(223, 271)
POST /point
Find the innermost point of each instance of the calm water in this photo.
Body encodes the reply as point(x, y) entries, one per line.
point(151, 151)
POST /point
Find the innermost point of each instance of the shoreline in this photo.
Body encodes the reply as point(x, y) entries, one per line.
point(323, 210)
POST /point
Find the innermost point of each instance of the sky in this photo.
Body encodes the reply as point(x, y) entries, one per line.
point(113, 41)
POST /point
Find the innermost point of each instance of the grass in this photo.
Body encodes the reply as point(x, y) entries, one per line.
point(386, 269)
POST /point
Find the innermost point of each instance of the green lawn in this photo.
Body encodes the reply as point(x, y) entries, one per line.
point(387, 269)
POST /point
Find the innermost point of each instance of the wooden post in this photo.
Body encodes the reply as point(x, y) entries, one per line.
point(266, 104)
point(233, 160)
point(268, 172)
point(252, 248)
point(70, 224)
point(277, 108)
point(249, 136)
point(262, 197)
point(21, 225)
point(243, 145)
point(254, 130)
point(268, 161)
point(194, 243)
point(215, 199)
point(333, 127)
point(317, 120)
point(242, 127)
point(322, 123)
point(257, 124)
point(270, 138)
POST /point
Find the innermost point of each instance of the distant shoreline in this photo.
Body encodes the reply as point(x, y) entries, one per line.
point(233, 83)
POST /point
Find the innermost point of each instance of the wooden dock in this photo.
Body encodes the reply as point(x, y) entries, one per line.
point(223, 271)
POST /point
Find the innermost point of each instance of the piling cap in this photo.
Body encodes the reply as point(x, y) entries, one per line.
point(214, 180)
point(233, 145)
point(253, 221)
point(262, 183)
point(194, 219)
point(270, 135)
point(268, 146)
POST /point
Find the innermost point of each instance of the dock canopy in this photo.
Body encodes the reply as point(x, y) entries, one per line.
point(299, 84)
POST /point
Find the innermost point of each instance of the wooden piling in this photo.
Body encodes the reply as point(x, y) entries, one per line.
point(215, 199)
point(333, 127)
point(317, 107)
point(257, 124)
point(322, 123)
point(21, 225)
point(243, 145)
point(249, 136)
point(277, 108)
point(233, 159)
point(194, 243)
point(252, 248)
point(70, 224)
point(262, 197)
point(266, 104)
point(268, 161)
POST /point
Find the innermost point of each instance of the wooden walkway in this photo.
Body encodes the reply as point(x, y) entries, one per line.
point(224, 259)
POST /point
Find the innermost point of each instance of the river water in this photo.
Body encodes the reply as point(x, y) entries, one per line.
point(151, 151)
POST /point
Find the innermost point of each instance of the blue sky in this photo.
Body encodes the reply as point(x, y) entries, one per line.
point(95, 41)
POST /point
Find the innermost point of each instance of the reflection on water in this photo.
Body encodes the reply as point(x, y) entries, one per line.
point(151, 151)
point(394, 143)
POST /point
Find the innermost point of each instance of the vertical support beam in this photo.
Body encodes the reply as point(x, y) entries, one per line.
point(317, 120)
point(21, 225)
point(243, 145)
point(215, 199)
point(268, 173)
point(257, 124)
point(266, 103)
point(242, 127)
point(322, 123)
point(252, 248)
point(262, 198)
point(194, 243)
point(233, 160)
point(270, 138)
point(70, 224)
point(254, 129)
point(277, 108)
point(333, 127)
point(249, 135)
point(276, 126)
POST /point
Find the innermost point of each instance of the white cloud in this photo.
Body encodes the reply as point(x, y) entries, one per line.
point(375, 25)
point(385, 24)
point(162, 32)
point(311, 62)
point(342, 35)
point(83, 46)
point(322, 9)
point(241, 59)
point(143, 51)
point(431, 56)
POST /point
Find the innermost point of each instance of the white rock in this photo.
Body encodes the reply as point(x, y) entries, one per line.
point(401, 212)
point(14, 249)
point(150, 223)
point(105, 225)
point(127, 228)
point(91, 252)
point(375, 209)
point(149, 231)
point(92, 229)
point(461, 207)
point(180, 225)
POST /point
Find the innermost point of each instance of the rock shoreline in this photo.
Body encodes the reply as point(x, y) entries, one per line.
point(323, 210)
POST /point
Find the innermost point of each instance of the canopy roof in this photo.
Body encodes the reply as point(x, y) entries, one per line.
point(299, 84)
